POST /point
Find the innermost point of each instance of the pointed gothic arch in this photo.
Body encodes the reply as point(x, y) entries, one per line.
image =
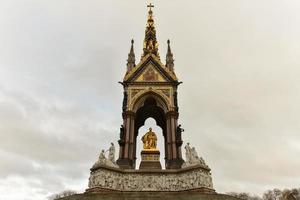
point(141, 98)
point(150, 107)
point(146, 105)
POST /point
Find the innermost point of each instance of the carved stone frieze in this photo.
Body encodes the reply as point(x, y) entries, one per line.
point(193, 178)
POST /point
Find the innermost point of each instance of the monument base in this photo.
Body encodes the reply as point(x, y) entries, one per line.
point(150, 196)
point(109, 179)
point(150, 159)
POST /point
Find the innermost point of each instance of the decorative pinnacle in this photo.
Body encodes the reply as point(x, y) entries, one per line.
point(150, 41)
point(169, 48)
point(150, 6)
point(169, 58)
point(131, 57)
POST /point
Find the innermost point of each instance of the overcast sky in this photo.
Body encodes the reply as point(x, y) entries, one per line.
point(60, 103)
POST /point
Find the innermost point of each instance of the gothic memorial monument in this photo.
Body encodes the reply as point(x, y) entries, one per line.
point(150, 90)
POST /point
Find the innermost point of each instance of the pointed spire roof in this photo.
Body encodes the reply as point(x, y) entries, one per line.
point(150, 41)
point(169, 58)
point(131, 57)
point(150, 58)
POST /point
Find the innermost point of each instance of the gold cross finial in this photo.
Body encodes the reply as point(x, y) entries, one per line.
point(150, 6)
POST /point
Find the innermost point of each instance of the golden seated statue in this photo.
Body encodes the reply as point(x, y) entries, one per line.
point(149, 140)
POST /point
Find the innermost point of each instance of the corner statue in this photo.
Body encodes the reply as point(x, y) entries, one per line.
point(149, 140)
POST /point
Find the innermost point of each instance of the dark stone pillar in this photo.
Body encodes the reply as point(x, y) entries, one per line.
point(173, 159)
point(126, 158)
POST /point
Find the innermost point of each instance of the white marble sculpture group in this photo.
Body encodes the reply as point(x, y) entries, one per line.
point(192, 157)
point(110, 161)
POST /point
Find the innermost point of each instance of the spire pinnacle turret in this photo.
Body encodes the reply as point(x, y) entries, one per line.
point(169, 58)
point(150, 41)
point(131, 57)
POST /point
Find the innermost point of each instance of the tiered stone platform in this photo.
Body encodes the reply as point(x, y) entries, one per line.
point(150, 196)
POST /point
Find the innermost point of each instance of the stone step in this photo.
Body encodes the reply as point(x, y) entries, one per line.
point(150, 196)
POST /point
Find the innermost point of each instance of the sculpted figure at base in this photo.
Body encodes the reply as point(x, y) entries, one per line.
point(101, 160)
point(110, 161)
point(111, 153)
point(192, 157)
point(149, 140)
point(188, 153)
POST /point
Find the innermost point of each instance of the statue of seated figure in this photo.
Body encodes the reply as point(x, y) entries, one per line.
point(149, 140)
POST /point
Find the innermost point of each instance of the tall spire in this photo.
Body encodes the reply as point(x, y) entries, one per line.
point(150, 42)
point(131, 58)
point(169, 58)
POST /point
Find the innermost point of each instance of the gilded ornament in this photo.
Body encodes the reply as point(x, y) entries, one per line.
point(149, 140)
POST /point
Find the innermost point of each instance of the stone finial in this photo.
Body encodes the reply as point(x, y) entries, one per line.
point(150, 41)
point(169, 58)
point(131, 57)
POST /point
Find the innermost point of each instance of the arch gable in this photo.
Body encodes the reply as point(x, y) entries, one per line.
point(139, 100)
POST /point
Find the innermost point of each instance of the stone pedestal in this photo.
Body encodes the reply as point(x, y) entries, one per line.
point(107, 179)
point(150, 159)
